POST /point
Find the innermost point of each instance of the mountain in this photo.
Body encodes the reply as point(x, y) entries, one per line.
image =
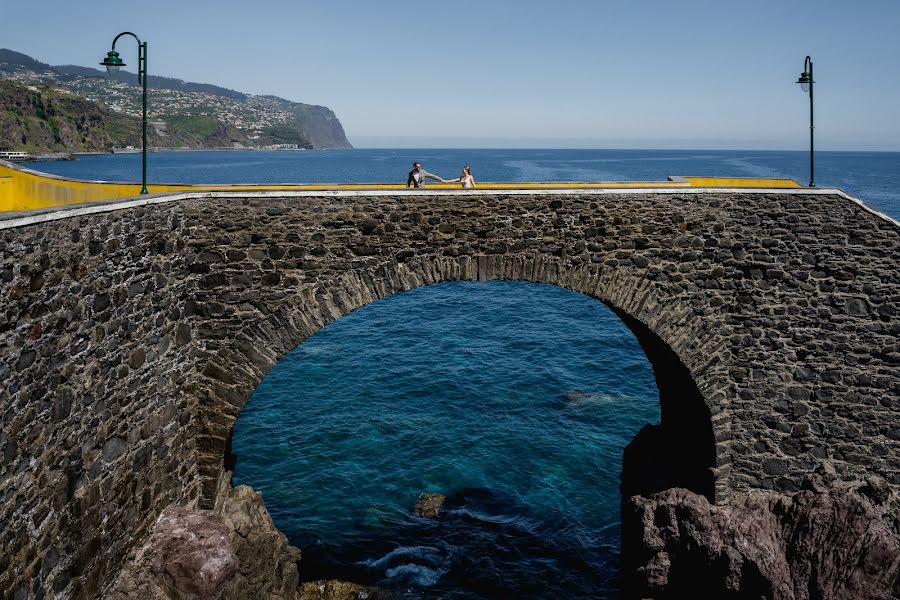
point(18, 61)
point(153, 81)
point(188, 114)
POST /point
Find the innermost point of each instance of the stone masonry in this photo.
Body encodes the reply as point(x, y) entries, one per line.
point(130, 339)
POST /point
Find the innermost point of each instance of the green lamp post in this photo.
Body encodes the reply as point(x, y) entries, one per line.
point(806, 84)
point(113, 63)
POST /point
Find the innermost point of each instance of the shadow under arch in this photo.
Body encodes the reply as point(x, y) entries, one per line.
point(682, 451)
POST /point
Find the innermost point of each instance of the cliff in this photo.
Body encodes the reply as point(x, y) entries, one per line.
point(319, 123)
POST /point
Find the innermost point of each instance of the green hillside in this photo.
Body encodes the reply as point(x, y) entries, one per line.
point(50, 121)
point(200, 131)
point(206, 131)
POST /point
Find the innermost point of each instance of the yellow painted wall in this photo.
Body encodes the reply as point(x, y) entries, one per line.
point(752, 182)
point(24, 189)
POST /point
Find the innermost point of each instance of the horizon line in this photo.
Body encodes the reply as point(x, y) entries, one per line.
point(357, 146)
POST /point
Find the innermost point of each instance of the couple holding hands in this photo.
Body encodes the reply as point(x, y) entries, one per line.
point(418, 175)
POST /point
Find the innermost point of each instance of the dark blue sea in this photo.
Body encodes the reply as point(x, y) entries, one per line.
point(513, 400)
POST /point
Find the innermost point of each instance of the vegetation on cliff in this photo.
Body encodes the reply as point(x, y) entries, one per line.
point(198, 131)
point(44, 120)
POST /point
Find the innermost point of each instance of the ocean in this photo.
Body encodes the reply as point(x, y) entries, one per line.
point(871, 176)
point(511, 399)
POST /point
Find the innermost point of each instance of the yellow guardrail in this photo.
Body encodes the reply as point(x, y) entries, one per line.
point(25, 189)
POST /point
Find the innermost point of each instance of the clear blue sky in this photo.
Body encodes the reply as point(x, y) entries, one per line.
point(566, 73)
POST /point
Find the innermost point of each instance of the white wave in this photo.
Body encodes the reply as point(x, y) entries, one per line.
point(415, 574)
point(423, 553)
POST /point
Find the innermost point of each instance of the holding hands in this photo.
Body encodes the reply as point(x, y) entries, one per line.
point(466, 179)
point(418, 175)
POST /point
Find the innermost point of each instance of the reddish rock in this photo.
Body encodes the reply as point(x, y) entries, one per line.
point(193, 550)
point(820, 544)
point(232, 553)
point(188, 555)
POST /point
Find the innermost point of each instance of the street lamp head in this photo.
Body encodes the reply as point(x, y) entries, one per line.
point(806, 79)
point(113, 63)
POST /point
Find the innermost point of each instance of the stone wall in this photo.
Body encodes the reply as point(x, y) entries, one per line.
point(132, 338)
point(96, 438)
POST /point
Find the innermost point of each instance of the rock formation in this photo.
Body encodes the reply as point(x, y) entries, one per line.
point(231, 553)
point(71, 115)
point(827, 542)
point(340, 590)
point(268, 562)
point(189, 555)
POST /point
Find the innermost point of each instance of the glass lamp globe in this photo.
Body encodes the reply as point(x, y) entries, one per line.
point(113, 63)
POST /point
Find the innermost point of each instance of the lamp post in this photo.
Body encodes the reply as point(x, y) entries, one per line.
point(113, 63)
point(806, 84)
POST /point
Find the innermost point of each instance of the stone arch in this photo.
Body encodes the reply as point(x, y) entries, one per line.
point(135, 331)
point(685, 450)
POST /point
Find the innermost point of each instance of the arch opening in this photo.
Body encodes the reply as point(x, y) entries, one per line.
point(681, 349)
point(643, 463)
point(680, 450)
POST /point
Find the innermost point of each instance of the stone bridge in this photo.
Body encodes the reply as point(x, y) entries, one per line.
point(133, 332)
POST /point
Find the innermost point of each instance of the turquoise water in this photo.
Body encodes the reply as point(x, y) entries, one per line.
point(513, 399)
point(871, 176)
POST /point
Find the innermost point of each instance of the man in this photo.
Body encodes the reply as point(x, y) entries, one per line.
point(418, 175)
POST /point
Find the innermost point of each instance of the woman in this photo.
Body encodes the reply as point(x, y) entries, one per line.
point(466, 179)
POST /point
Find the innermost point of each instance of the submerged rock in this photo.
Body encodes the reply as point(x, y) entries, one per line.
point(579, 398)
point(821, 544)
point(575, 395)
point(340, 590)
point(429, 504)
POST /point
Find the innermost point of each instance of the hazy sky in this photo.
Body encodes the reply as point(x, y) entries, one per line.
point(689, 74)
